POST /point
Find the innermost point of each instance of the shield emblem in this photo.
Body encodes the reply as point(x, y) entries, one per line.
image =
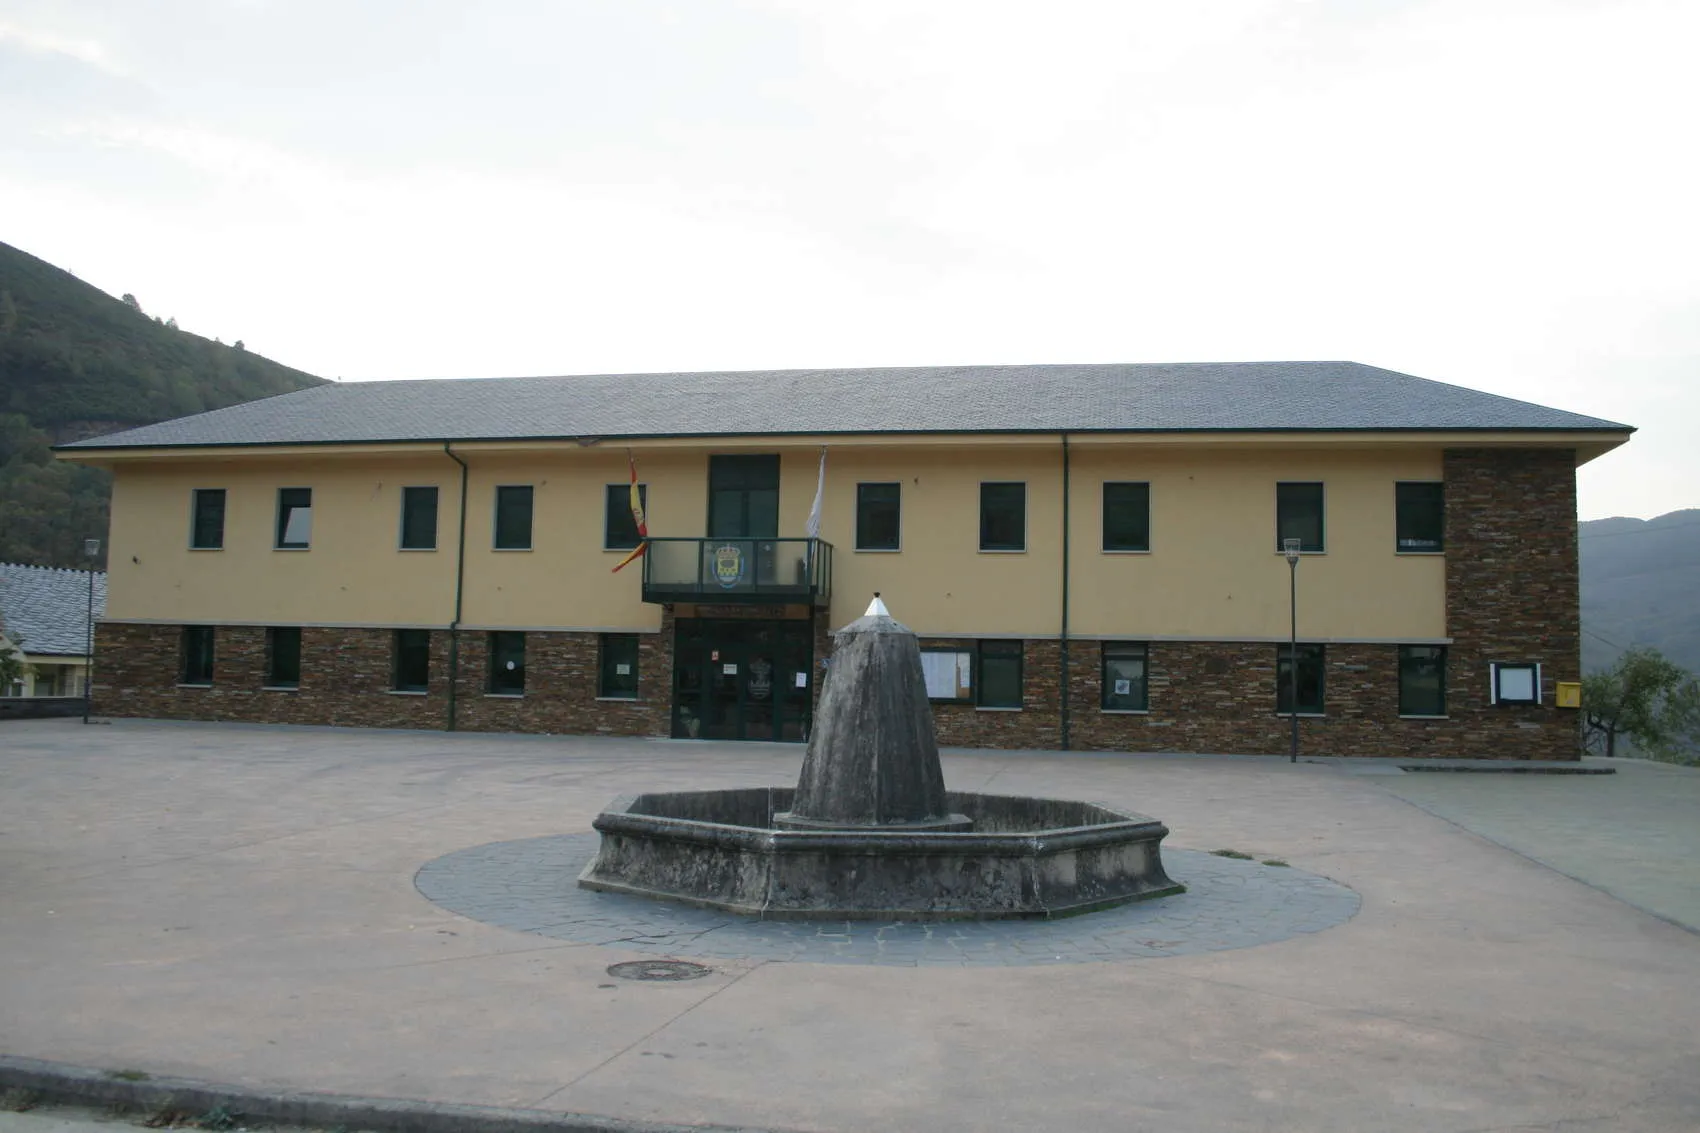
point(728, 565)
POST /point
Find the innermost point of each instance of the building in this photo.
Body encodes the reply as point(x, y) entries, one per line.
point(44, 620)
point(1093, 555)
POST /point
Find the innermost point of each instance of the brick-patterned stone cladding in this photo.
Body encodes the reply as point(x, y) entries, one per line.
point(346, 676)
point(1513, 594)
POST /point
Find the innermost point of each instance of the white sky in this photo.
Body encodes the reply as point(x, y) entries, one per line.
point(1496, 193)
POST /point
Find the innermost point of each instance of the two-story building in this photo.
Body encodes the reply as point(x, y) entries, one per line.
point(1095, 556)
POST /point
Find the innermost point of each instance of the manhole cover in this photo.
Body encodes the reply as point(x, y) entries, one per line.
point(658, 970)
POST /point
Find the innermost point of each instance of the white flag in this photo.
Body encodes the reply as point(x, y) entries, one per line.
point(813, 527)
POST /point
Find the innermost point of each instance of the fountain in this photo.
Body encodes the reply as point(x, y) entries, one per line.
point(870, 832)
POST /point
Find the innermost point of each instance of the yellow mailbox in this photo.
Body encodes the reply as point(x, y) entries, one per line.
point(1569, 694)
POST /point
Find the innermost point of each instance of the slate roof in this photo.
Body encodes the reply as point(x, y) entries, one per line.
point(45, 610)
point(1235, 396)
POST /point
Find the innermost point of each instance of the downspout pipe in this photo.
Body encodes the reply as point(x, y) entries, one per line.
point(1062, 657)
point(460, 591)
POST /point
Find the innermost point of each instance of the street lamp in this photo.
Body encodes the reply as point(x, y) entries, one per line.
point(1290, 547)
point(91, 551)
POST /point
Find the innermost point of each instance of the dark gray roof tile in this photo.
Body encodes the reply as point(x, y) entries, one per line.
point(45, 609)
point(1234, 396)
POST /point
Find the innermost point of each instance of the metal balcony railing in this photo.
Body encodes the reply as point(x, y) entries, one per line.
point(738, 570)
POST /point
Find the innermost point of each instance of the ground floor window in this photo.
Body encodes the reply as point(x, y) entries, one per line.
point(197, 655)
point(619, 667)
point(1124, 668)
point(1310, 659)
point(1422, 680)
point(507, 663)
point(412, 660)
point(283, 657)
point(999, 685)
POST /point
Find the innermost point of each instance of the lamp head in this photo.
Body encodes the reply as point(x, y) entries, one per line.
point(1290, 548)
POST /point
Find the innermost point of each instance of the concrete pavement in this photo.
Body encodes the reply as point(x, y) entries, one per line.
point(236, 904)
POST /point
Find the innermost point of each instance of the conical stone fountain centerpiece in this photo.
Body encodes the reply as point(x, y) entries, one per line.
point(870, 832)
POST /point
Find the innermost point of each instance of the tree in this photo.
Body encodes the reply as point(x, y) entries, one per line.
point(130, 301)
point(12, 667)
point(1644, 698)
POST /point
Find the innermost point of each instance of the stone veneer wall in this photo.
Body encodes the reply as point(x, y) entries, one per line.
point(346, 676)
point(1512, 595)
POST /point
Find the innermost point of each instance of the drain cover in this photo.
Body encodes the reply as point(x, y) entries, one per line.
point(658, 970)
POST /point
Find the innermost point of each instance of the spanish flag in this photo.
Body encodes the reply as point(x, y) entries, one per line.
point(637, 516)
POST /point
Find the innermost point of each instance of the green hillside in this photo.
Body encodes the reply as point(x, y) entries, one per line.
point(75, 363)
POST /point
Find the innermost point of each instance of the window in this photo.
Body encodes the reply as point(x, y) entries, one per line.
point(1124, 678)
point(1127, 516)
point(1515, 684)
point(1000, 674)
point(1003, 517)
point(1311, 658)
point(619, 529)
point(507, 663)
point(197, 655)
point(283, 657)
point(879, 509)
point(1419, 510)
point(949, 674)
point(206, 530)
point(513, 518)
point(619, 667)
point(419, 519)
point(412, 661)
point(1298, 515)
point(294, 518)
point(1422, 680)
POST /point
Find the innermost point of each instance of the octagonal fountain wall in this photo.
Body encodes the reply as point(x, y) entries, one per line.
point(870, 830)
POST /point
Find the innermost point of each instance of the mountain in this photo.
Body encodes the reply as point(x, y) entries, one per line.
point(1639, 587)
point(75, 363)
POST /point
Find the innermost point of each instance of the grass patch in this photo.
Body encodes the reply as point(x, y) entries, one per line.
point(19, 1100)
point(129, 1075)
point(1274, 861)
point(1235, 854)
point(217, 1118)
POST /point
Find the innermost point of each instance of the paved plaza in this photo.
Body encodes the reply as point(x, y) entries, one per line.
point(388, 915)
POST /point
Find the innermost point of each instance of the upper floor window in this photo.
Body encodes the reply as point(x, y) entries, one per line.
point(619, 526)
point(197, 660)
point(1298, 515)
point(1311, 659)
point(419, 519)
point(1003, 516)
point(283, 657)
point(507, 663)
point(1419, 510)
point(1124, 677)
point(513, 517)
point(206, 528)
point(1422, 680)
point(879, 509)
point(1127, 516)
point(294, 518)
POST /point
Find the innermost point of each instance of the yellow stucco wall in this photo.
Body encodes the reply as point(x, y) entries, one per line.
point(1212, 571)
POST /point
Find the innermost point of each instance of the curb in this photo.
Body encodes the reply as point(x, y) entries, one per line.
point(64, 1084)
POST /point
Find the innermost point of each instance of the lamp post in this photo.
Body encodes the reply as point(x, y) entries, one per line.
point(91, 551)
point(1290, 547)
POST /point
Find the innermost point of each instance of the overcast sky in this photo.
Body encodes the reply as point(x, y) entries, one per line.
point(1496, 193)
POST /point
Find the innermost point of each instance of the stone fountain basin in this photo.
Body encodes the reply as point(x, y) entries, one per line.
point(1025, 857)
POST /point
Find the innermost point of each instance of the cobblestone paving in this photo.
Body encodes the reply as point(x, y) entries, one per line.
point(532, 886)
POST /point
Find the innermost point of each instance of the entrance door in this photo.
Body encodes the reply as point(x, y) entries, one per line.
point(738, 680)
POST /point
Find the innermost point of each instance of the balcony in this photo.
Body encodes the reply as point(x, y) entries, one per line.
point(738, 571)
